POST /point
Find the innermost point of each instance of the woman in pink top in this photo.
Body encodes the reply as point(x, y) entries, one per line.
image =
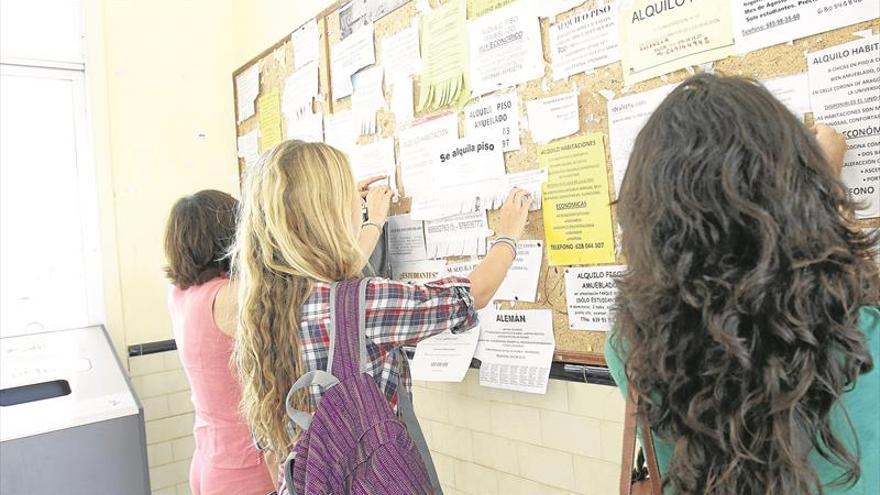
point(202, 307)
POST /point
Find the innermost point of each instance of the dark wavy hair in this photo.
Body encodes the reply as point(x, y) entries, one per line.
point(198, 236)
point(739, 313)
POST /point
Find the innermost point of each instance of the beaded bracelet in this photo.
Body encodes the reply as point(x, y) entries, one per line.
point(509, 242)
point(371, 224)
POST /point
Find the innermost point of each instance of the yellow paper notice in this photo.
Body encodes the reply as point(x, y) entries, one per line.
point(476, 8)
point(270, 120)
point(576, 204)
point(662, 36)
point(444, 57)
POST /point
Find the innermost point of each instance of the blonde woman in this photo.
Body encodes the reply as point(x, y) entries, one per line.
point(297, 234)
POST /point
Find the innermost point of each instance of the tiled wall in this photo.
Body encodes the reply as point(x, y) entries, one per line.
point(161, 385)
point(487, 441)
point(484, 441)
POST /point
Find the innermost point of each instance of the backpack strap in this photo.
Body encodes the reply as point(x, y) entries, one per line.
point(409, 419)
point(319, 378)
point(630, 432)
point(348, 344)
point(323, 379)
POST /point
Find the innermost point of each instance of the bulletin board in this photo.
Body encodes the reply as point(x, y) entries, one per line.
point(572, 346)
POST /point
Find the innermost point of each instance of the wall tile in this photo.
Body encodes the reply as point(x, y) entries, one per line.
point(172, 360)
point(169, 474)
point(555, 399)
point(145, 365)
point(475, 479)
point(495, 452)
point(575, 434)
point(448, 490)
point(445, 467)
point(166, 429)
point(180, 403)
point(452, 441)
point(612, 441)
point(159, 454)
point(468, 412)
point(516, 422)
point(155, 408)
point(596, 401)
point(512, 485)
point(431, 404)
point(183, 448)
point(595, 477)
point(160, 383)
point(547, 466)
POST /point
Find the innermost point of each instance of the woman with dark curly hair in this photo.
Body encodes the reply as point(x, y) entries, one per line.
point(747, 324)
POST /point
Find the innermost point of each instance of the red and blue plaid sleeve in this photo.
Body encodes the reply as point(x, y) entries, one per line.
point(403, 314)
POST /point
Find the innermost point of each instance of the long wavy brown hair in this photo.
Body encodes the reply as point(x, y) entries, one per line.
point(739, 314)
point(295, 228)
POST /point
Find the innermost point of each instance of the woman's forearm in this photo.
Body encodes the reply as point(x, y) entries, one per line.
point(488, 275)
point(368, 237)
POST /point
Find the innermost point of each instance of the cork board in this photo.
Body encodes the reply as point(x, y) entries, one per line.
point(583, 347)
point(276, 65)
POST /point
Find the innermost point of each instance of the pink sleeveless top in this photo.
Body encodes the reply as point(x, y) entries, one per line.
point(222, 438)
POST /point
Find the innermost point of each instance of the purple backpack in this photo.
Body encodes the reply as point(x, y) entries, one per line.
point(354, 444)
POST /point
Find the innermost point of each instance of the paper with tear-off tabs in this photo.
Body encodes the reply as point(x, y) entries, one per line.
point(374, 159)
point(762, 23)
point(349, 56)
point(455, 171)
point(576, 204)
point(444, 77)
point(590, 294)
point(459, 235)
point(844, 89)
point(659, 37)
point(584, 41)
point(418, 145)
point(516, 350)
point(247, 87)
point(505, 48)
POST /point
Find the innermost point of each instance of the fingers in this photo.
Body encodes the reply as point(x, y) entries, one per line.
point(364, 185)
point(521, 198)
point(511, 195)
point(379, 191)
point(370, 180)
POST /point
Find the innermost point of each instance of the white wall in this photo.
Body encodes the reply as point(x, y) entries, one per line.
point(159, 76)
point(160, 85)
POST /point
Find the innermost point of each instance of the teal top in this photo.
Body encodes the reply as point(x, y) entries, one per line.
point(862, 403)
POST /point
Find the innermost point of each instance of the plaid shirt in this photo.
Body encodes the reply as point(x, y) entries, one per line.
point(397, 314)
